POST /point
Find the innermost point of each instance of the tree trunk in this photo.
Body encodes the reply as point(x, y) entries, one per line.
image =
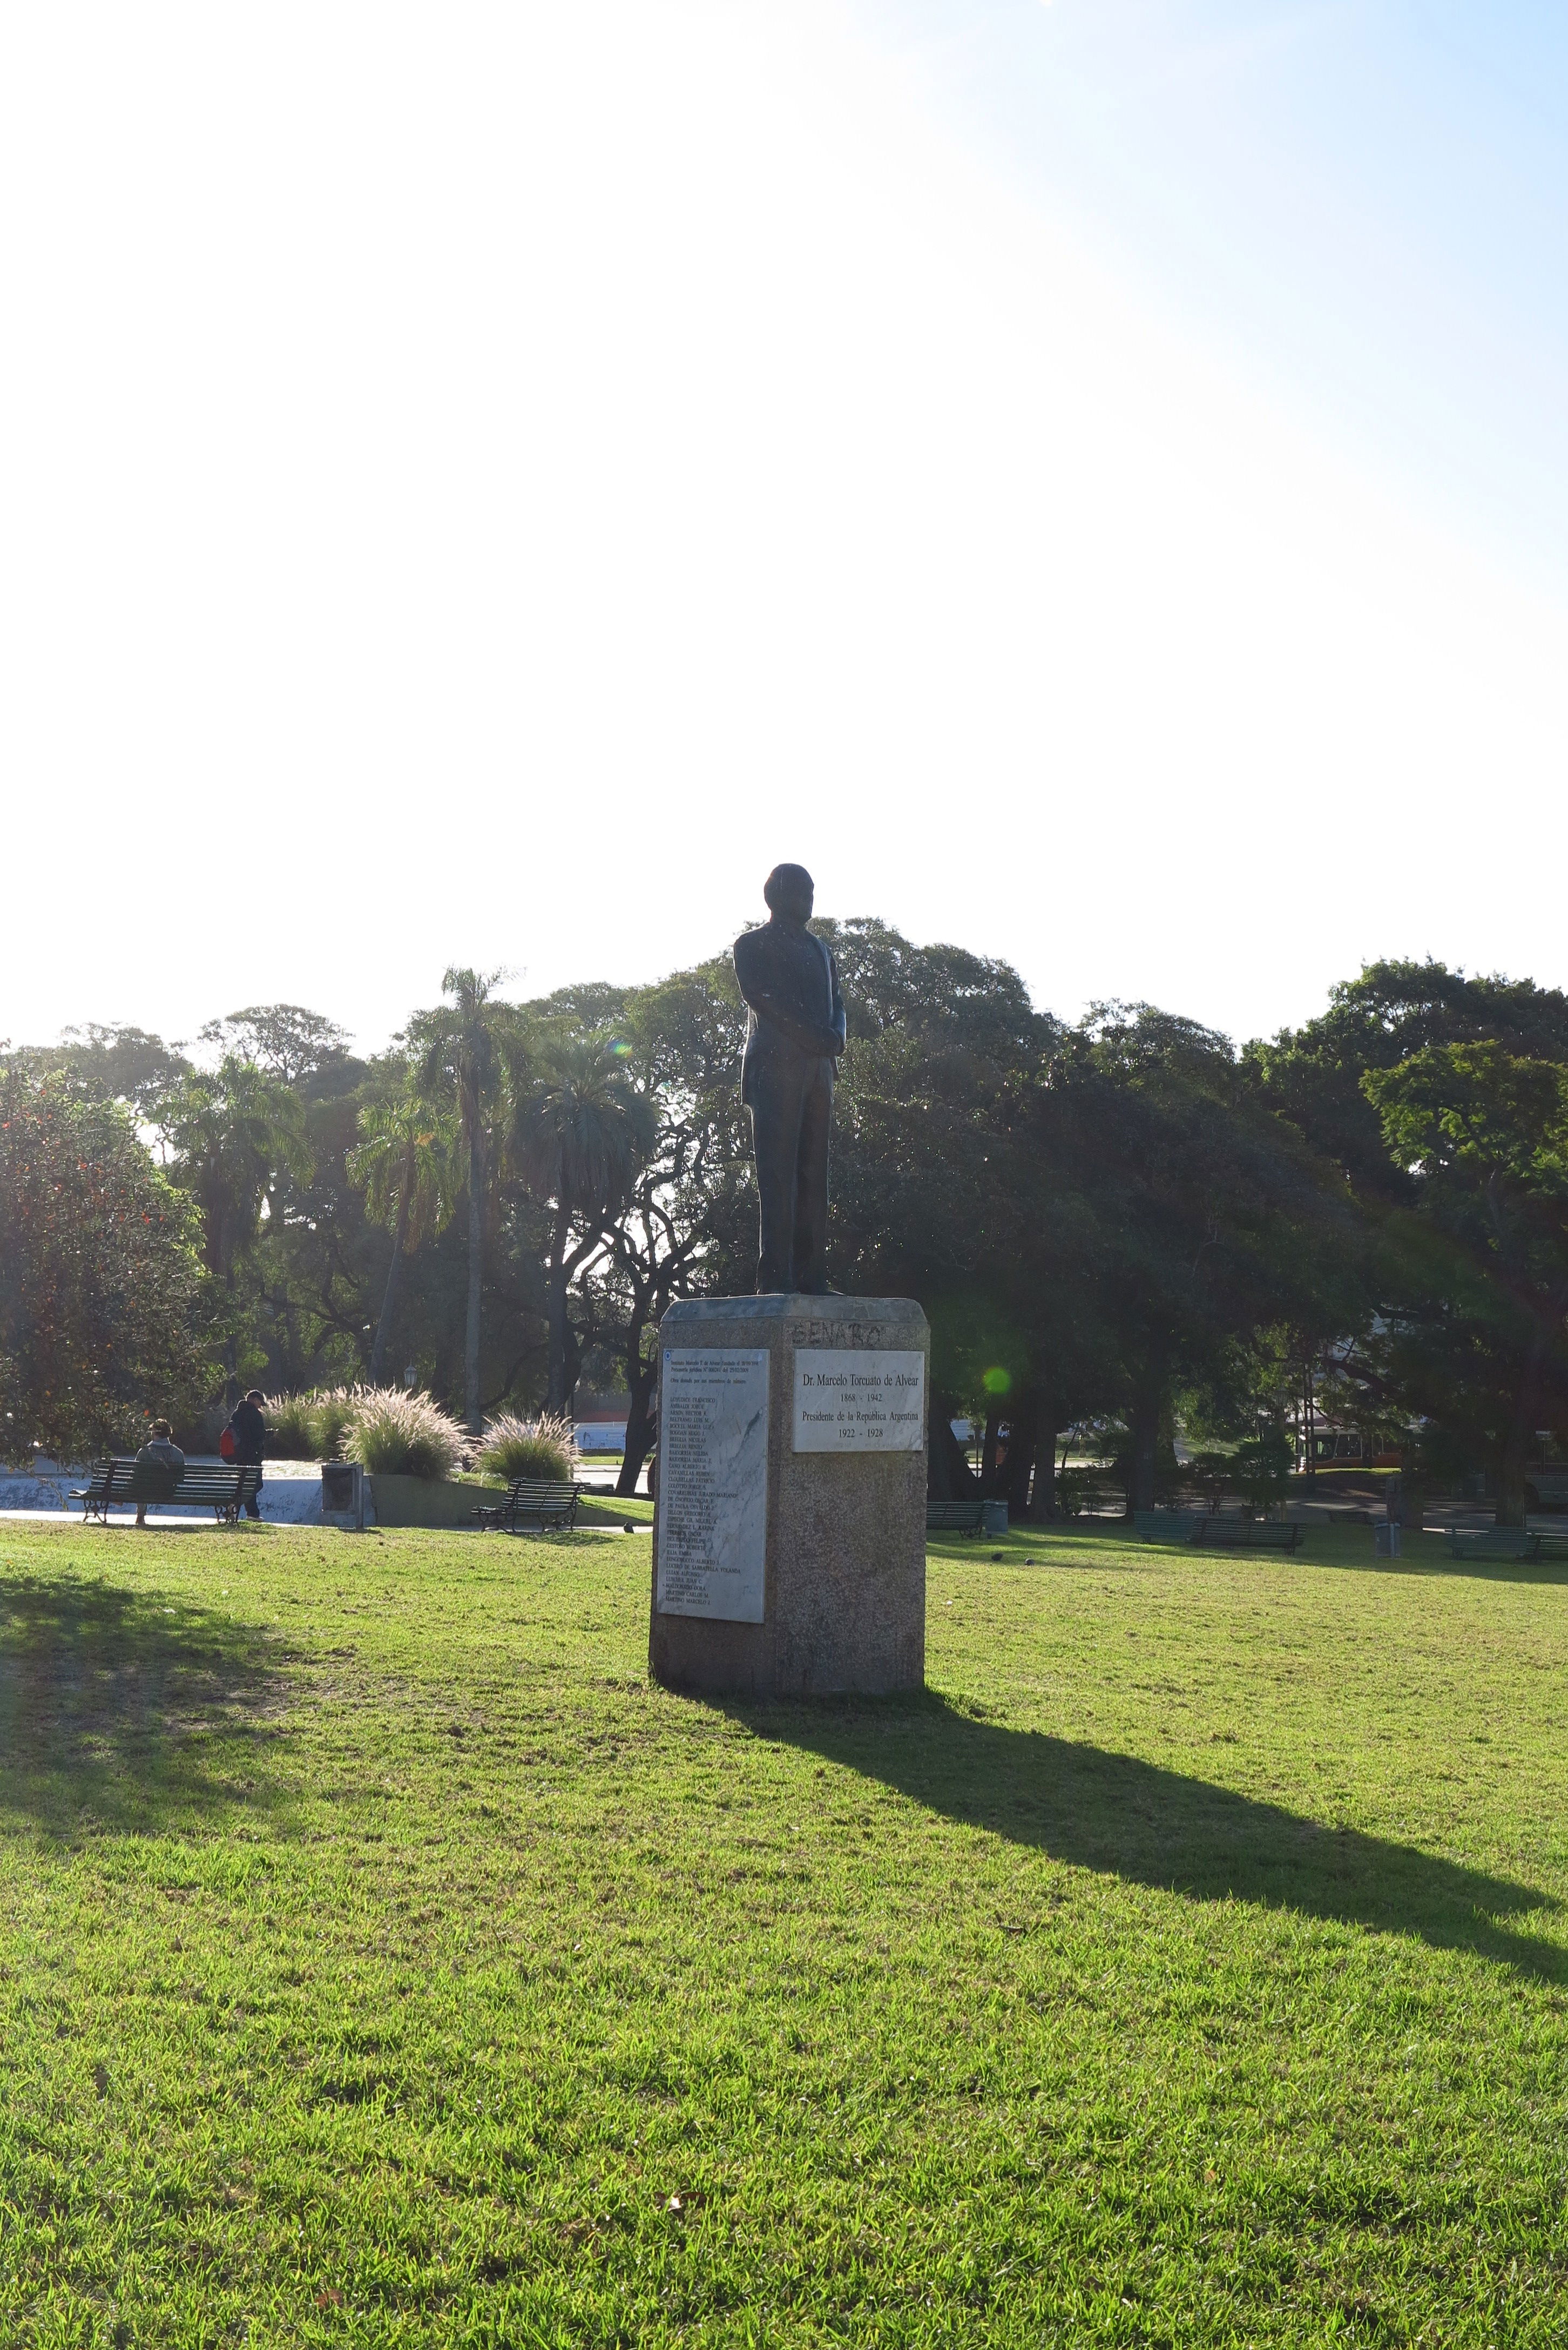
point(1412, 1490)
point(383, 1326)
point(639, 1428)
point(641, 1373)
point(949, 1476)
point(1515, 1450)
point(571, 1369)
point(231, 1345)
point(1510, 1495)
point(475, 1275)
point(1146, 1413)
point(1023, 1436)
point(1051, 1420)
point(987, 1452)
point(555, 1319)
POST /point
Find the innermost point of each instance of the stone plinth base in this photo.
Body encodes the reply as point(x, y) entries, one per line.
point(790, 1536)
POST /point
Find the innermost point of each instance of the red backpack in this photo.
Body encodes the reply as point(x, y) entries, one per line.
point(227, 1448)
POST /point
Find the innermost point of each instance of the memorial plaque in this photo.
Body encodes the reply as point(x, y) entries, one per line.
point(836, 1547)
point(859, 1399)
point(714, 1482)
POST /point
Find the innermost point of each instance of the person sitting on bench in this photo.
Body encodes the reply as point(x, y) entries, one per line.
point(159, 1452)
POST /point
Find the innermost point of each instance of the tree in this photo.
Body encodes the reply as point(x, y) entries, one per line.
point(1260, 1467)
point(232, 1134)
point(101, 1315)
point(109, 1064)
point(1313, 1076)
point(580, 1132)
point(286, 1039)
point(683, 1223)
point(317, 1263)
point(1458, 1293)
point(932, 1194)
point(407, 1163)
point(1208, 1221)
point(469, 1047)
point(1479, 1339)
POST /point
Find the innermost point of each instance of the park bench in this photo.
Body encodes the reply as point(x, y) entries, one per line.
point(954, 1517)
point(544, 1501)
point(1506, 1542)
point(1166, 1526)
point(223, 1487)
point(1235, 1533)
point(1215, 1530)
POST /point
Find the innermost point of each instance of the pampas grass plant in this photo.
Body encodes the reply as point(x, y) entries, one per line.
point(309, 1427)
point(292, 1430)
point(335, 1407)
point(541, 1447)
point(397, 1435)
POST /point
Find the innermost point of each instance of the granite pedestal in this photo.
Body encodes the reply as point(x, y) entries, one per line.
point(789, 1554)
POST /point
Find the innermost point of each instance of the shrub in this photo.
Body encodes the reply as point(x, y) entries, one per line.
point(398, 1435)
point(1213, 1472)
point(1083, 1492)
point(291, 1428)
point(1261, 1467)
point(309, 1427)
point(541, 1447)
point(334, 1410)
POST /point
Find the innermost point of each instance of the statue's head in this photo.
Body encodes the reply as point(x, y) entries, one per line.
point(790, 893)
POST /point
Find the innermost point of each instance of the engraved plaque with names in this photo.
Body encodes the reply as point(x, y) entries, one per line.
point(712, 1481)
point(859, 1399)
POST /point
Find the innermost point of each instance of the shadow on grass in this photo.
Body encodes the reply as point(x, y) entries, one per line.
point(1127, 1818)
point(1429, 1562)
point(130, 1711)
point(1344, 1550)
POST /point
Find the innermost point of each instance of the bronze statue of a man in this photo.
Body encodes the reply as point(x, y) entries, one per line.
point(794, 1034)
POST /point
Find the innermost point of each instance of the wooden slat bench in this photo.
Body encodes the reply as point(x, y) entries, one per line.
point(954, 1517)
point(1228, 1532)
point(544, 1502)
point(225, 1489)
point(1166, 1526)
point(1215, 1530)
point(1506, 1542)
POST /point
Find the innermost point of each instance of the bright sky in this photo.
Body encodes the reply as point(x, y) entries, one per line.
point(483, 483)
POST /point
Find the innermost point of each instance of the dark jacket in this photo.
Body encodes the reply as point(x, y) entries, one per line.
point(794, 1009)
point(250, 1429)
point(163, 1452)
point(161, 1464)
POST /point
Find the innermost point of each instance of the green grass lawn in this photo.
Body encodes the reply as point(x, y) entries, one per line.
point(383, 1960)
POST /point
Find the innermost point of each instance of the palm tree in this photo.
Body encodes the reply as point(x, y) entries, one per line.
point(464, 1047)
point(407, 1164)
point(579, 1134)
point(231, 1134)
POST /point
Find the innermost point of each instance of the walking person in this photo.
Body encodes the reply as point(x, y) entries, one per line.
point(163, 1457)
point(249, 1431)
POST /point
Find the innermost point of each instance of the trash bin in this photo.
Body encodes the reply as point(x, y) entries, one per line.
point(993, 1517)
point(337, 1486)
point(342, 1491)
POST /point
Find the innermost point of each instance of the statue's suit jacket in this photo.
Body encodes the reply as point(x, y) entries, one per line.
point(799, 971)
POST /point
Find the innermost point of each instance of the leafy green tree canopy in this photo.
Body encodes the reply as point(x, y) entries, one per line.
point(1477, 1339)
point(101, 1315)
point(285, 1039)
